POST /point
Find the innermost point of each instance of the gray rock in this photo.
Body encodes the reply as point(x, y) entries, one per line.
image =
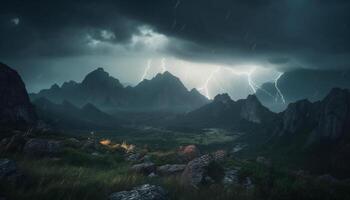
point(199, 170)
point(7, 168)
point(230, 178)
point(152, 175)
point(16, 111)
point(171, 169)
point(143, 168)
point(134, 157)
point(43, 147)
point(143, 192)
point(248, 183)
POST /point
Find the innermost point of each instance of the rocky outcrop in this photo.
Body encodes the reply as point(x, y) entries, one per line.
point(42, 147)
point(144, 168)
point(334, 119)
point(171, 169)
point(143, 192)
point(163, 92)
point(325, 121)
point(297, 117)
point(202, 170)
point(223, 112)
point(16, 111)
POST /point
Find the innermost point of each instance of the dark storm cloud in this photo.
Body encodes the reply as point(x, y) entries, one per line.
point(309, 34)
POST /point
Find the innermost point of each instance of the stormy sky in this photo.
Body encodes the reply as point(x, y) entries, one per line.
point(54, 41)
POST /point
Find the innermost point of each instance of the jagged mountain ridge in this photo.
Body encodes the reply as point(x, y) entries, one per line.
point(327, 120)
point(227, 113)
point(296, 85)
point(163, 92)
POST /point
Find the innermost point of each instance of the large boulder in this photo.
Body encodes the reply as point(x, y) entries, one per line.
point(202, 170)
point(144, 168)
point(16, 111)
point(42, 147)
point(171, 169)
point(143, 192)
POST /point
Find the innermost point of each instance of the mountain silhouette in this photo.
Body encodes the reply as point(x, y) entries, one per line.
point(163, 92)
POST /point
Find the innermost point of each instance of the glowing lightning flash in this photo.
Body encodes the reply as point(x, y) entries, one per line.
point(207, 81)
point(278, 89)
point(163, 65)
point(145, 73)
point(251, 83)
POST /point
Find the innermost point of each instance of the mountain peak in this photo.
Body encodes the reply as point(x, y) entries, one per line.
point(223, 98)
point(165, 75)
point(253, 98)
point(99, 78)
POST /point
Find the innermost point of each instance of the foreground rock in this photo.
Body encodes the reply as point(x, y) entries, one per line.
point(230, 178)
point(171, 169)
point(9, 172)
point(202, 170)
point(43, 147)
point(144, 168)
point(144, 192)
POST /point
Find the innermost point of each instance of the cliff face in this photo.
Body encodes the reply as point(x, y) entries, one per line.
point(325, 121)
point(16, 111)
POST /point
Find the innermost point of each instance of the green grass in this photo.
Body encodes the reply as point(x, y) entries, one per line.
point(77, 174)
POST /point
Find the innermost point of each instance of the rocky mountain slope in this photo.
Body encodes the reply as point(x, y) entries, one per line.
point(67, 116)
point(16, 111)
point(163, 92)
point(302, 84)
point(227, 113)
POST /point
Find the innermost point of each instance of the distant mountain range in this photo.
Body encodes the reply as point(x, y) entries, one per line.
point(227, 113)
point(296, 85)
point(67, 116)
point(164, 92)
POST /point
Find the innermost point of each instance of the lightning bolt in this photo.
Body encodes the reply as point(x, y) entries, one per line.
point(207, 81)
point(177, 4)
point(163, 65)
point(278, 89)
point(254, 87)
point(249, 73)
point(148, 67)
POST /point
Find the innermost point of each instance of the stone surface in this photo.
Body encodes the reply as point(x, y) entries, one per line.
point(171, 169)
point(16, 111)
point(200, 170)
point(42, 147)
point(144, 168)
point(230, 178)
point(143, 192)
